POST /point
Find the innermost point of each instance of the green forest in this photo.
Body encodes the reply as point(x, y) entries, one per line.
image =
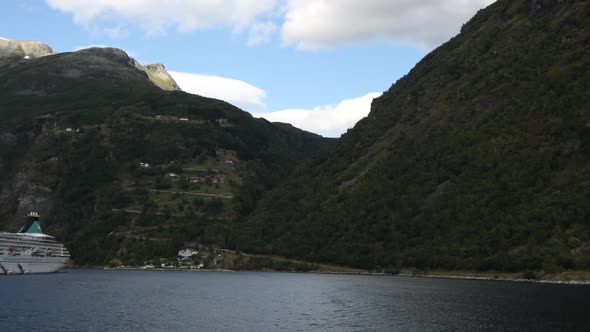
point(478, 159)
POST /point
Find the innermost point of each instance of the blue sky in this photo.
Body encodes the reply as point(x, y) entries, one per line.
point(314, 63)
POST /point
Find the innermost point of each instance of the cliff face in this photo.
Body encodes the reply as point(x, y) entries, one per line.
point(477, 159)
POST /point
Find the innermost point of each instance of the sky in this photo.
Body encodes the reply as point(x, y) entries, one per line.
point(316, 64)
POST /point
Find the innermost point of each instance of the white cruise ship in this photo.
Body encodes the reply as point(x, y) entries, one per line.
point(31, 251)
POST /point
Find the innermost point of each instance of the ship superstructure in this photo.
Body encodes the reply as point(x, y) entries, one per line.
point(31, 251)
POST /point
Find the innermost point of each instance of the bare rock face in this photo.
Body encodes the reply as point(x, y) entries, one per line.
point(156, 68)
point(22, 195)
point(160, 77)
point(23, 48)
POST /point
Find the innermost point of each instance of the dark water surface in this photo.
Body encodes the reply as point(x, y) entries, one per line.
point(107, 300)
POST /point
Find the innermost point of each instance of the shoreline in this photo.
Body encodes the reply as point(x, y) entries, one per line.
point(484, 278)
point(405, 274)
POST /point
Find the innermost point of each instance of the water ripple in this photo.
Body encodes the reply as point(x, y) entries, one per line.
point(96, 300)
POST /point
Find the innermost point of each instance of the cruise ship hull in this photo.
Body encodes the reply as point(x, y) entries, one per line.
point(26, 266)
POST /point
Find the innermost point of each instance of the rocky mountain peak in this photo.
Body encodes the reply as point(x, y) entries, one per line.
point(156, 67)
point(23, 48)
point(158, 74)
point(14, 52)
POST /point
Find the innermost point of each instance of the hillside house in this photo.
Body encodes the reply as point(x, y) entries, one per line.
point(187, 253)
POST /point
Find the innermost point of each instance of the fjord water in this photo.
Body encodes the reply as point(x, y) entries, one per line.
point(107, 300)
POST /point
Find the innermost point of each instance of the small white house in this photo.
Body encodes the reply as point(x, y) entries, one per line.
point(144, 165)
point(68, 129)
point(187, 253)
point(183, 119)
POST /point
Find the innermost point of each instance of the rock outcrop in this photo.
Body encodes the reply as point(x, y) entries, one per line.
point(160, 77)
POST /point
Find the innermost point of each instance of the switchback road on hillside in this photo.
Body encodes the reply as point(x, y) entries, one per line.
point(192, 193)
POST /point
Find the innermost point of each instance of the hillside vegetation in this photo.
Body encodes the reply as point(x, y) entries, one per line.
point(123, 171)
point(478, 159)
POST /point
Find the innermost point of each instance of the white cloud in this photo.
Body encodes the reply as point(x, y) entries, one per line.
point(316, 24)
point(239, 93)
point(304, 24)
point(261, 33)
point(156, 16)
point(330, 120)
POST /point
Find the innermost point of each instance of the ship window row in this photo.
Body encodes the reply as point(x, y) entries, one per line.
point(58, 250)
point(31, 248)
point(25, 236)
point(29, 241)
point(24, 240)
point(55, 250)
point(20, 240)
point(31, 245)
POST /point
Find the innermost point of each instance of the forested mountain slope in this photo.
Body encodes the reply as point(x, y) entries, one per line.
point(479, 158)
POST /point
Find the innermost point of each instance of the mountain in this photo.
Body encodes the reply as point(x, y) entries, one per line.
point(121, 165)
point(479, 158)
point(14, 52)
point(23, 48)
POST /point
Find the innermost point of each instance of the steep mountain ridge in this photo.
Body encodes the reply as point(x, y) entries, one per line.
point(14, 53)
point(23, 48)
point(477, 159)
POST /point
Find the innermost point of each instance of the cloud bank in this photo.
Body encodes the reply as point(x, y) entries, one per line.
point(157, 16)
point(330, 120)
point(313, 24)
point(239, 93)
point(304, 24)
